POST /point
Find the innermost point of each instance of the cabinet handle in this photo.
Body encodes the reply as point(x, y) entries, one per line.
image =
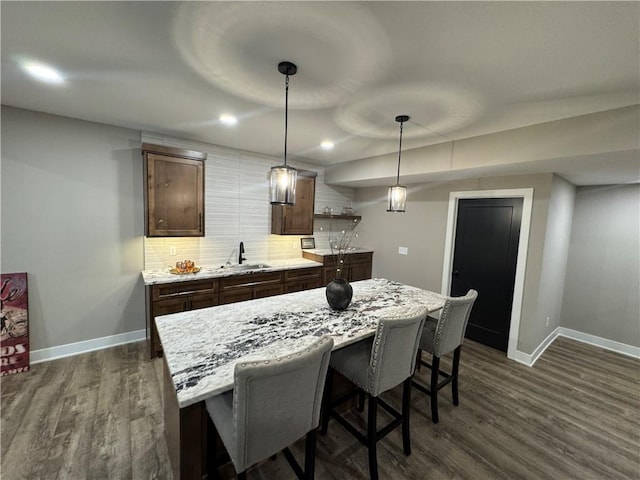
point(184, 305)
point(200, 222)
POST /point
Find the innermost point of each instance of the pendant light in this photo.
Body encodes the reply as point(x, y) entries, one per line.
point(397, 194)
point(283, 178)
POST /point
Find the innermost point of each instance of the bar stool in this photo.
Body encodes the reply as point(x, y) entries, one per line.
point(377, 365)
point(440, 337)
point(273, 403)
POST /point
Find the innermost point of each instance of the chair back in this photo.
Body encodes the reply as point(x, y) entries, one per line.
point(449, 333)
point(393, 354)
point(277, 401)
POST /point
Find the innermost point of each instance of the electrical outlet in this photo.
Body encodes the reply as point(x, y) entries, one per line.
point(172, 250)
point(294, 244)
point(547, 321)
point(403, 250)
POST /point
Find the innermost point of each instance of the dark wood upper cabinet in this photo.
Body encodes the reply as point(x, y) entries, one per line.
point(296, 219)
point(174, 191)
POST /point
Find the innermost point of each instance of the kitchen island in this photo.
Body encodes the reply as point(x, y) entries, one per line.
point(202, 346)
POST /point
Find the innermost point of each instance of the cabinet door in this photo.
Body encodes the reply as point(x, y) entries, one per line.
point(294, 286)
point(163, 307)
point(267, 290)
point(359, 271)
point(237, 294)
point(299, 285)
point(172, 305)
point(175, 196)
point(203, 301)
point(296, 219)
point(330, 273)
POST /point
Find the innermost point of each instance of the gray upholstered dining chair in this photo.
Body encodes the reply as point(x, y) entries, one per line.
point(440, 337)
point(376, 365)
point(273, 403)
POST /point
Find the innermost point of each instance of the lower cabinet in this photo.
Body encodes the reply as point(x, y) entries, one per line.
point(182, 296)
point(253, 285)
point(357, 266)
point(166, 298)
point(302, 279)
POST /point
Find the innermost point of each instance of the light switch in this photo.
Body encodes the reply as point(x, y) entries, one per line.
point(403, 250)
point(172, 250)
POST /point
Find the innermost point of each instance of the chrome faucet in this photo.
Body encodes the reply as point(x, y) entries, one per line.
point(240, 254)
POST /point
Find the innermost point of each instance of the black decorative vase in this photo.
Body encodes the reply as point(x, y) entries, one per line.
point(339, 293)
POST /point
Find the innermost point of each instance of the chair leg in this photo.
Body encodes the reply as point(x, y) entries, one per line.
point(406, 408)
point(325, 412)
point(310, 455)
point(435, 372)
point(454, 374)
point(361, 399)
point(371, 437)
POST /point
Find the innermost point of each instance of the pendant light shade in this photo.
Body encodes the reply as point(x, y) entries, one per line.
point(397, 198)
point(283, 185)
point(397, 194)
point(283, 178)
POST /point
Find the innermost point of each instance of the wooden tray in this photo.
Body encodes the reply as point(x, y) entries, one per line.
point(191, 271)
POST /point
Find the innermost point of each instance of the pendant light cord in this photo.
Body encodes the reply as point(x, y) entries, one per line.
point(286, 116)
point(399, 155)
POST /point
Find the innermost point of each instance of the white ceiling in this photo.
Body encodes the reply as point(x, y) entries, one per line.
point(458, 69)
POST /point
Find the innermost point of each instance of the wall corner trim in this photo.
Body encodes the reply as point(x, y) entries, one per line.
point(529, 359)
point(77, 348)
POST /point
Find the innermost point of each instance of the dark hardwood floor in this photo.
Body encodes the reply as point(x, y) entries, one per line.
point(574, 415)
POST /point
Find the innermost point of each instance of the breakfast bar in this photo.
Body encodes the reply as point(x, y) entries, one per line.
point(202, 346)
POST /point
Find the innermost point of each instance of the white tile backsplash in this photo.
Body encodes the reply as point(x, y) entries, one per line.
point(237, 209)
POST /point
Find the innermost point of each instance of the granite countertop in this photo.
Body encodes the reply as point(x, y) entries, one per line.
point(152, 277)
point(327, 251)
point(202, 346)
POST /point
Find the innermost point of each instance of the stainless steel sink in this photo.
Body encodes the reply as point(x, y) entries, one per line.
point(248, 266)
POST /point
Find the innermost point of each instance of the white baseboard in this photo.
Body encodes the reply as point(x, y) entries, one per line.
point(70, 349)
point(618, 347)
point(612, 345)
point(529, 359)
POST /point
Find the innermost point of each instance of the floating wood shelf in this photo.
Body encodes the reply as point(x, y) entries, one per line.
point(357, 218)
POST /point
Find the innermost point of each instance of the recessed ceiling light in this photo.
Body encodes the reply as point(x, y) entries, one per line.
point(228, 120)
point(326, 145)
point(42, 72)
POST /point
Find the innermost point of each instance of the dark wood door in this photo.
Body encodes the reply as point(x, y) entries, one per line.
point(486, 250)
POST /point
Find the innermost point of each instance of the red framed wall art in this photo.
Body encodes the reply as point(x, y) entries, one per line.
point(14, 317)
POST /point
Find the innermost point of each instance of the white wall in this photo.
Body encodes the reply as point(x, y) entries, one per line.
point(72, 217)
point(553, 266)
point(602, 280)
point(423, 227)
point(237, 209)
point(72, 210)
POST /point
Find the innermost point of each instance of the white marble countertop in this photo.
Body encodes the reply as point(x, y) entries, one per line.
point(152, 277)
point(202, 346)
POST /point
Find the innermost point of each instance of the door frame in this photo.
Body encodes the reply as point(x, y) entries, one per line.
point(523, 247)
